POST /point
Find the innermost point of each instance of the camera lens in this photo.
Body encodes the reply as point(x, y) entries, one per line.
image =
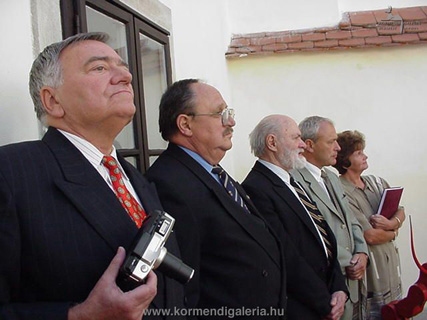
point(173, 267)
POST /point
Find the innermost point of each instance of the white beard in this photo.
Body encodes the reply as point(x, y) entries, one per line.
point(292, 159)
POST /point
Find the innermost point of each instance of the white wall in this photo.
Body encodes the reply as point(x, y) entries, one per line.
point(28, 26)
point(363, 5)
point(17, 120)
point(280, 15)
point(250, 16)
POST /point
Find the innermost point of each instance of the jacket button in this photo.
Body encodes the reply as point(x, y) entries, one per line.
point(264, 273)
point(343, 226)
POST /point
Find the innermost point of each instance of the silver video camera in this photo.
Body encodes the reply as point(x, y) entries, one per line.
point(148, 251)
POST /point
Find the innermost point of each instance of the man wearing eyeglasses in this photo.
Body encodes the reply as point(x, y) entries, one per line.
point(238, 260)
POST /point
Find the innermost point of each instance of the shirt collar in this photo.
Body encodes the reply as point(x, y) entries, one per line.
point(347, 183)
point(91, 153)
point(315, 171)
point(280, 172)
point(208, 167)
point(367, 183)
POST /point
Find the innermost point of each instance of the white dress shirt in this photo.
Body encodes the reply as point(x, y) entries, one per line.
point(317, 174)
point(94, 156)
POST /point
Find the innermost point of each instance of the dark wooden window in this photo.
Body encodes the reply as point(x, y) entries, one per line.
point(145, 47)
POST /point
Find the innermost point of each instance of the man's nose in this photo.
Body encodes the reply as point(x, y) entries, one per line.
point(122, 74)
point(337, 146)
point(231, 122)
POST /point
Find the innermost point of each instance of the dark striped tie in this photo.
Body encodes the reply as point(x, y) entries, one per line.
point(318, 218)
point(229, 187)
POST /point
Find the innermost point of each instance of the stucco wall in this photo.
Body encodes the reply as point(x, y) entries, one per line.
point(17, 120)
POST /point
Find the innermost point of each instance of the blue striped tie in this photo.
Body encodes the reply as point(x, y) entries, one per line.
point(229, 187)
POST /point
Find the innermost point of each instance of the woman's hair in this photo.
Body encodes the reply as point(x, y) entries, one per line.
point(349, 142)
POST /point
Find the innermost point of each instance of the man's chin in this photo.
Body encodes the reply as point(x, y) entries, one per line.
point(227, 145)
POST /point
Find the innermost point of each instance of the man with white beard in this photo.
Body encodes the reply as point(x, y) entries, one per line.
point(276, 141)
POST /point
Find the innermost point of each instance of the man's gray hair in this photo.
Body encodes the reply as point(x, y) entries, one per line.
point(310, 126)
point(269, 125)
point(47, 70)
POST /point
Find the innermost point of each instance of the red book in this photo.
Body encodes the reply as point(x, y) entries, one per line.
point(390, 201)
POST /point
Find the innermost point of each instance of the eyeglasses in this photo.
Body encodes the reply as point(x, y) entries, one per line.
point(226, 115)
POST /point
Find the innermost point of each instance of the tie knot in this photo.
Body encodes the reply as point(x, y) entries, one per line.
point(323, 174)
point(293, 182)
point(217, 170)
point(109, 162)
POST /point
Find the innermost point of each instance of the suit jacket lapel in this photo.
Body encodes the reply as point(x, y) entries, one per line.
point(319, 191)
point(146, 191)
point(89, 193)
point(289, 197)
point(247, 221)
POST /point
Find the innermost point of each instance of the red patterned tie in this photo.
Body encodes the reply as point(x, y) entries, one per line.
point(128, 202)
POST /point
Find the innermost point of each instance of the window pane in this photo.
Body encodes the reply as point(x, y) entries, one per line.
point(152, 159)
point(155, 83)
point(99, 22)
point(132, 161)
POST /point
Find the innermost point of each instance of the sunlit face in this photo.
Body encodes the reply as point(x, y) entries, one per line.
point(96, 89)
point(326, 147)
point(210, 138)
point(291, 147)
point(358, 160)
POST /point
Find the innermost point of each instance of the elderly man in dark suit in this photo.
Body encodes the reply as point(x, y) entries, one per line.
point(276, 141)
point(61, 222)
point(238, 259)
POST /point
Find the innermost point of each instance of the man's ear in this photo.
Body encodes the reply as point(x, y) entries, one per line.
point(50, 103)
point(271, 142)
point(183, 123)
point(309, 145)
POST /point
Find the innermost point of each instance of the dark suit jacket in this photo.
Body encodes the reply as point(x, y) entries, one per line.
point(60, 226)
point(285, 213)
point(237, 258)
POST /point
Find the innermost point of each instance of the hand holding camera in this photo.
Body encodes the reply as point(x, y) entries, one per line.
point(148, 251)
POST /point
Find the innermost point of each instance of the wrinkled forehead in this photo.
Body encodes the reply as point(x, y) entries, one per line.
point(86, 51)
